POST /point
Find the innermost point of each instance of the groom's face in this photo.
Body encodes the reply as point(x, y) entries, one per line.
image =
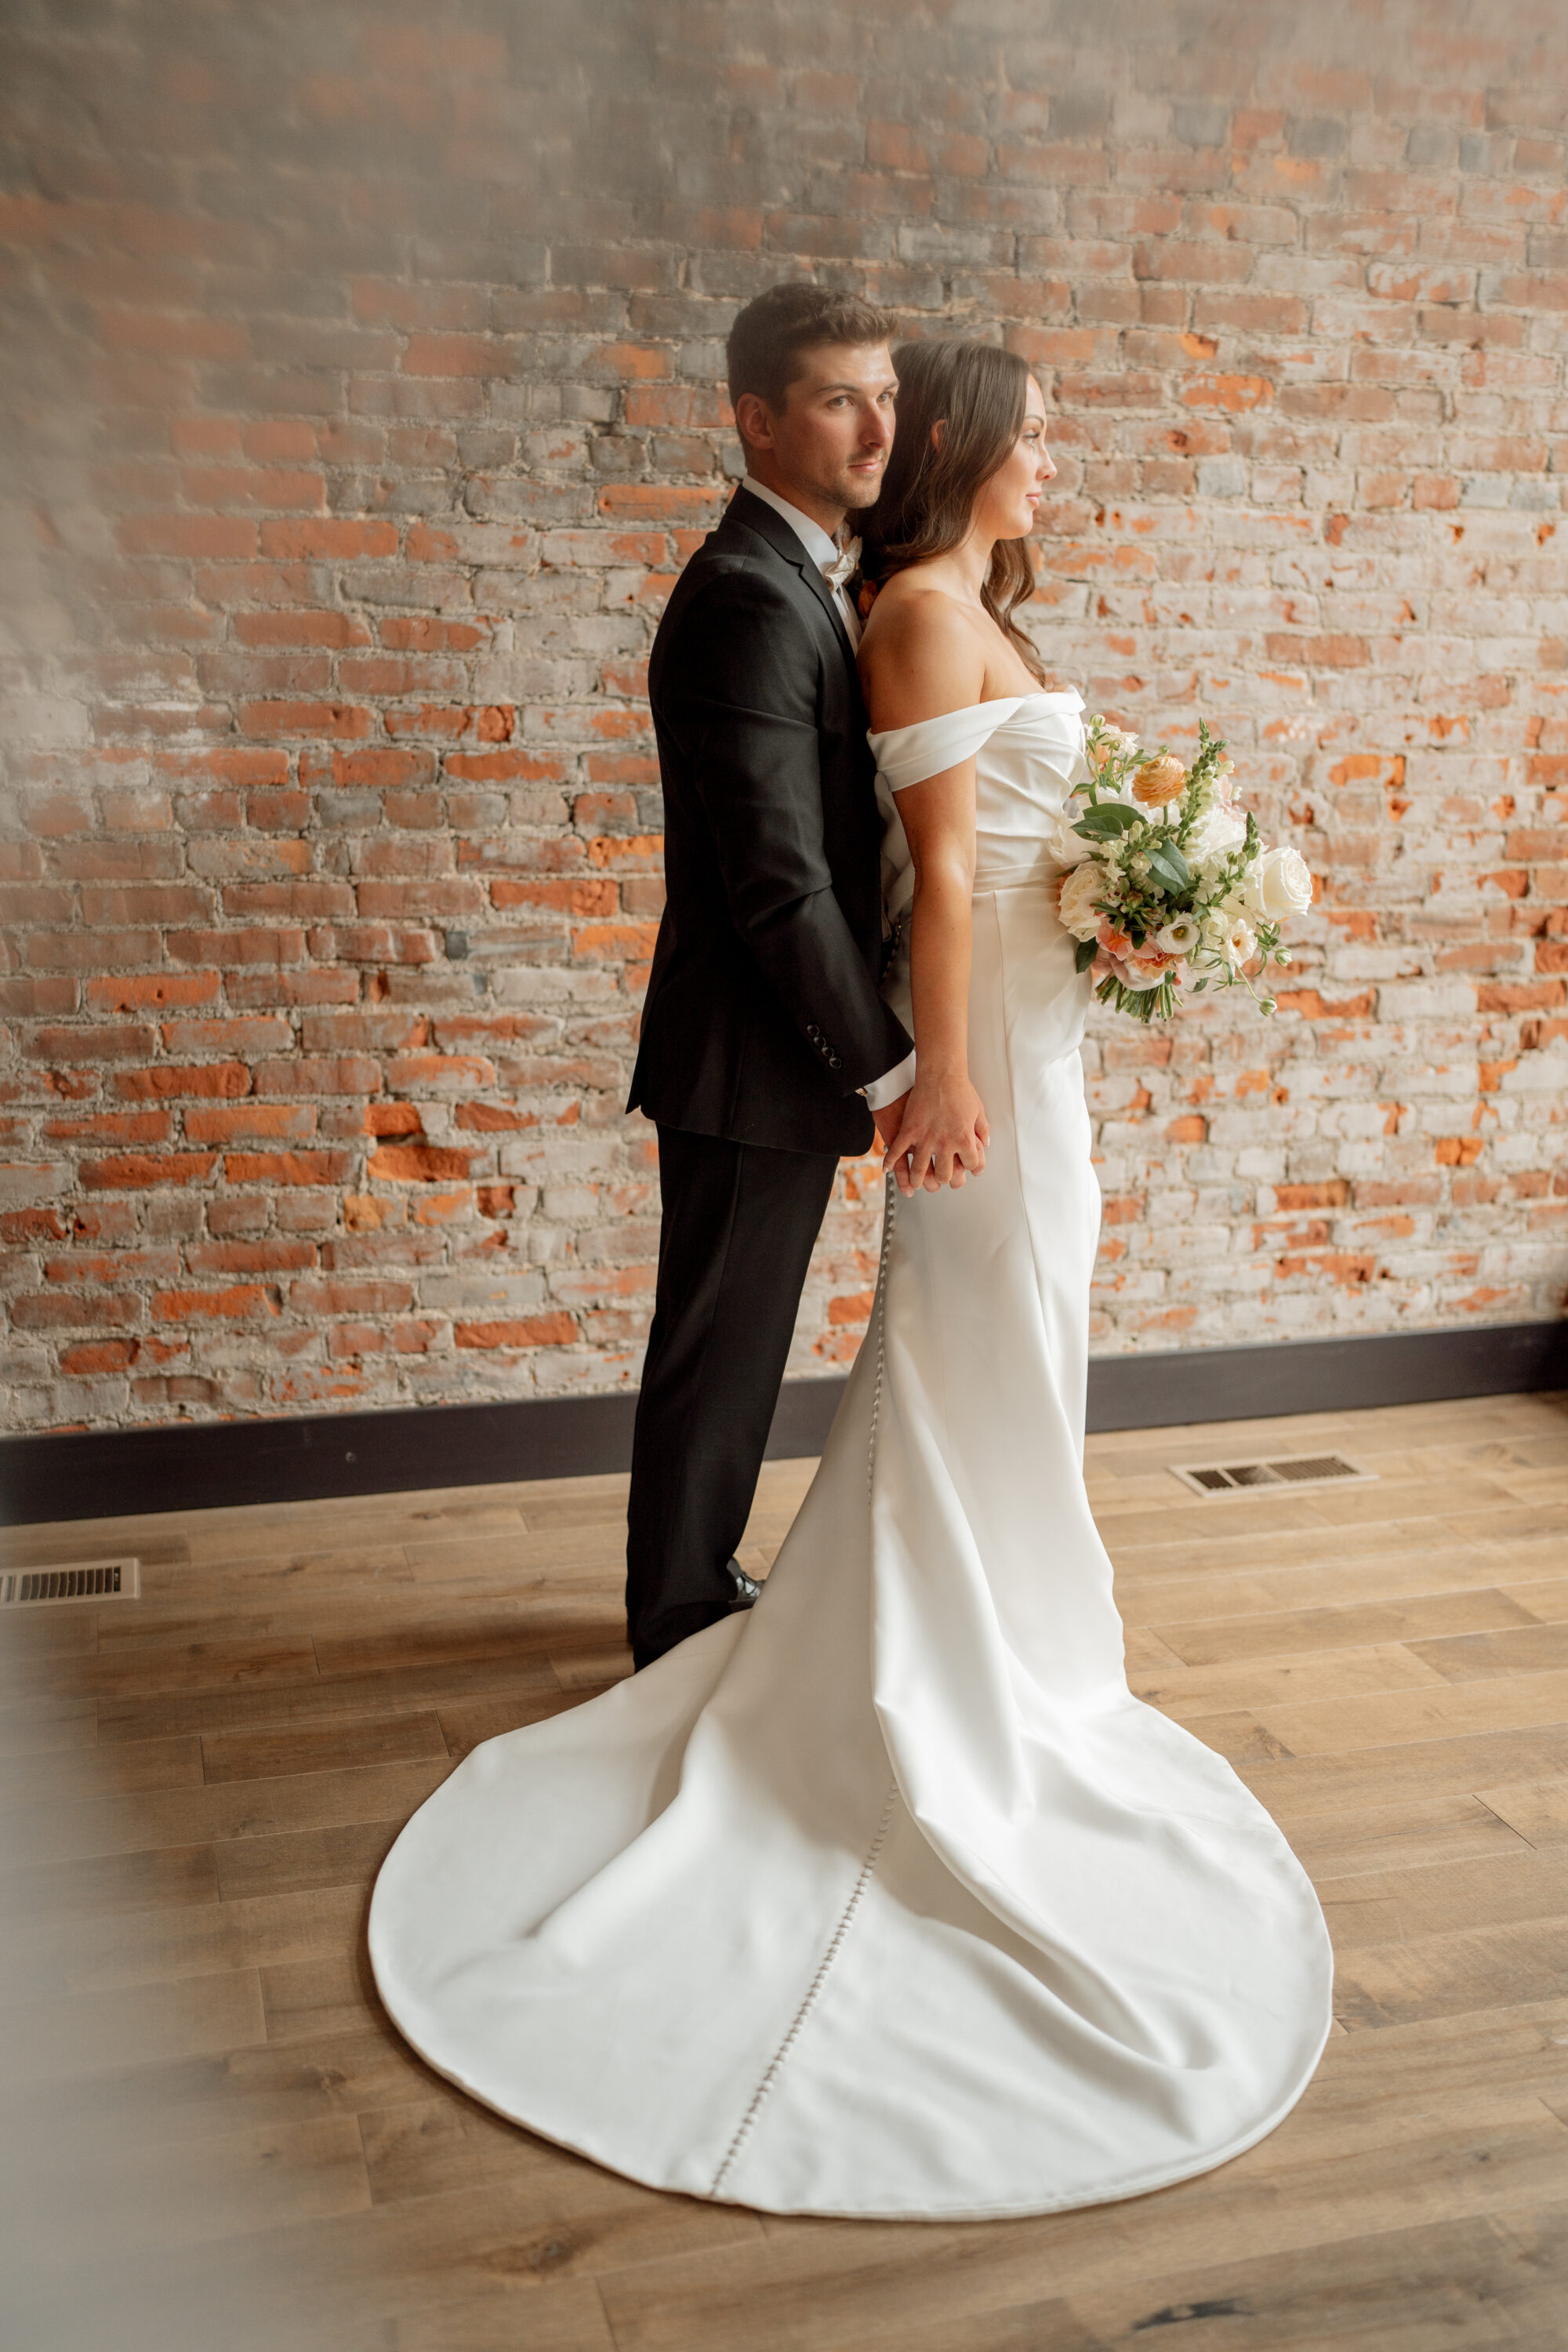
point(832, 435)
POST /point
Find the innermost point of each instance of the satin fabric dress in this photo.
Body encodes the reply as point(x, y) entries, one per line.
point(888, 1898)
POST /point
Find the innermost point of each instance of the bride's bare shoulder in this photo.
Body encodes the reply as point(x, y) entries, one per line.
point(919, 654)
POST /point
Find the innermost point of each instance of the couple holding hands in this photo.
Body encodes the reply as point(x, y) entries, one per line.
point(882, 1897)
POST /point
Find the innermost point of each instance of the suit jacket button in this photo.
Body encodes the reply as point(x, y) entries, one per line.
point(814, 1033)
point(834, 1063)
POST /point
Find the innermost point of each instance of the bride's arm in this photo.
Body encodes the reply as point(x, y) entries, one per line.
point(913, 669)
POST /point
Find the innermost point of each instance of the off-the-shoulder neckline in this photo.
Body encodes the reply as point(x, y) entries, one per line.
point(967, 709)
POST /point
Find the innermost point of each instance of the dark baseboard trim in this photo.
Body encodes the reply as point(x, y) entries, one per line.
point(192, 1466)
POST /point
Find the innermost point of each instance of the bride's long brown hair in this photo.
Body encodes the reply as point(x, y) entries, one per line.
point(979, 394)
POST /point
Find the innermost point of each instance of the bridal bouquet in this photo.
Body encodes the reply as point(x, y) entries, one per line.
point(1170, 877)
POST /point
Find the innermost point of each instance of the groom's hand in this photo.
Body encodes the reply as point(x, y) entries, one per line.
point(939, 1135)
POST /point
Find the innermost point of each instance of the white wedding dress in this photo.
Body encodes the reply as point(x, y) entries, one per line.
point(888, 1898)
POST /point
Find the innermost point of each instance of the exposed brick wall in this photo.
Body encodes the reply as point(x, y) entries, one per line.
point(367, 370)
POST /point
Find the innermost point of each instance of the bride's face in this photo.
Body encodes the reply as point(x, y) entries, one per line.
point(1008, 505)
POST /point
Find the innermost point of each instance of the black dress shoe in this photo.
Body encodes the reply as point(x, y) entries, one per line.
point(746, 1587)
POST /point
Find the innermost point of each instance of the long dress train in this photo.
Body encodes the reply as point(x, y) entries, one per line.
point(889, 1898)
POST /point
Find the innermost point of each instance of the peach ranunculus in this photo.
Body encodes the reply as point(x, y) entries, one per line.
point(1114, 942)
point(1159, 781)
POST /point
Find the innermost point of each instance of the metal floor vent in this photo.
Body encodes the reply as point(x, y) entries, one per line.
point(81, 1580)
point(1245, 1477)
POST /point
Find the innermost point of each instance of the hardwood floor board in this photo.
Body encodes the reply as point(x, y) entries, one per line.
point(568, 2317)
point(300, 1578)
point(494, 1629)
point(43, 1726)
point(89, 1826)
point(108, 1950)
point(1354, 1626)
point(110, 1882)
point(243, 2182)
point(1536, 1811)
point(1546, 1598)
point(305, 1998)
point(345, 1855)
point(1385, 1673)
point(1425, 1768)
point(391, 1692)
point(1190, 1693)
point(1451, 1976)
point(1254, 1521)
point(1499, 1888)
point(86, 2033)
point(148, 1669)
point(1539, 2238)
point(167, 2100)
point(467, 1722)
point(1398, 1718)
point(67, 1630)
point(564, 1554)
point(593, 1668)
point(818, 2287)
point(55, 1542)
point(1146, 1653)
point(1413, 1835)
point(1466, 2068)
point(101, 1771)
point(1511, 1525)
point(1516, 1650)
point(497, 2243)
point(435, 2145)
point(1241, 1738)
point(1429, 2288)
point(1190, 1588)
point(320, 1746)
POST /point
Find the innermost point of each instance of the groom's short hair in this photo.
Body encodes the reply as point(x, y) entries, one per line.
point(771, 334)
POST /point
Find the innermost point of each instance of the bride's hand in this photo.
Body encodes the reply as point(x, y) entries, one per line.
point(941, 1136)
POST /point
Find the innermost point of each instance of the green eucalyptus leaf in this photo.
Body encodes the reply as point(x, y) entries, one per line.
point(1085, 955)
point(1167, 862)
point(1110, 818)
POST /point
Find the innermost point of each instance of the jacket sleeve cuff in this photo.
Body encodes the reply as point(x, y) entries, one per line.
point(891, 1085)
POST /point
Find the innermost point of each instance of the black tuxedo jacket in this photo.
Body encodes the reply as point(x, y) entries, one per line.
point(763, 1016)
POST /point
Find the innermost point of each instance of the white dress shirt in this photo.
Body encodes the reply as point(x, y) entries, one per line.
point(823, 553)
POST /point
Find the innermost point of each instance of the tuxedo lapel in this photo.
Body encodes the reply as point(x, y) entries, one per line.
point(759, 516)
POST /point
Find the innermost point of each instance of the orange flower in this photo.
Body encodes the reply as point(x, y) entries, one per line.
point(1159, 781)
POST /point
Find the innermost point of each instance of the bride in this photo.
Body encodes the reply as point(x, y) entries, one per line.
point(886, 1897)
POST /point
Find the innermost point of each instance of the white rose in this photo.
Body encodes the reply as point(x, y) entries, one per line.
point(1218, 831)
point(1067, 847)
point(1076, 907)
point(1277, 885)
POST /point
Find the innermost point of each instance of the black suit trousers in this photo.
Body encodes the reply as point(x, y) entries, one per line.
point(735, 1239)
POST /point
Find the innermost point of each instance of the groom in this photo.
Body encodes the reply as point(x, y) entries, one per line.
point(766, 1049)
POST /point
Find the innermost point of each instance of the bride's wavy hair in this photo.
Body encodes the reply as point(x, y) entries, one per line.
point(978, 394)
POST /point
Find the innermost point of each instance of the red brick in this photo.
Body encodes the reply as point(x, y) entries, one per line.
point(287, 1167)
point(147, 1171)
point(529, 1331)
point(316, 536)
point(151, 990)
point(418, 1163)
point(110, 1127)
point(241, 1300)
point(163, 1080)
point(229, 1122)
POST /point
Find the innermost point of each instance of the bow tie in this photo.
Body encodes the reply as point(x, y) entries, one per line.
point(837, 572)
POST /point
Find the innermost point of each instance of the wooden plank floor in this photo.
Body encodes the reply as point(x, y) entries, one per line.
point(196, 1790)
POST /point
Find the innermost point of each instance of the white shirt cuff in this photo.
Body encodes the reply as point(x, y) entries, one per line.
point(888, 1088)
